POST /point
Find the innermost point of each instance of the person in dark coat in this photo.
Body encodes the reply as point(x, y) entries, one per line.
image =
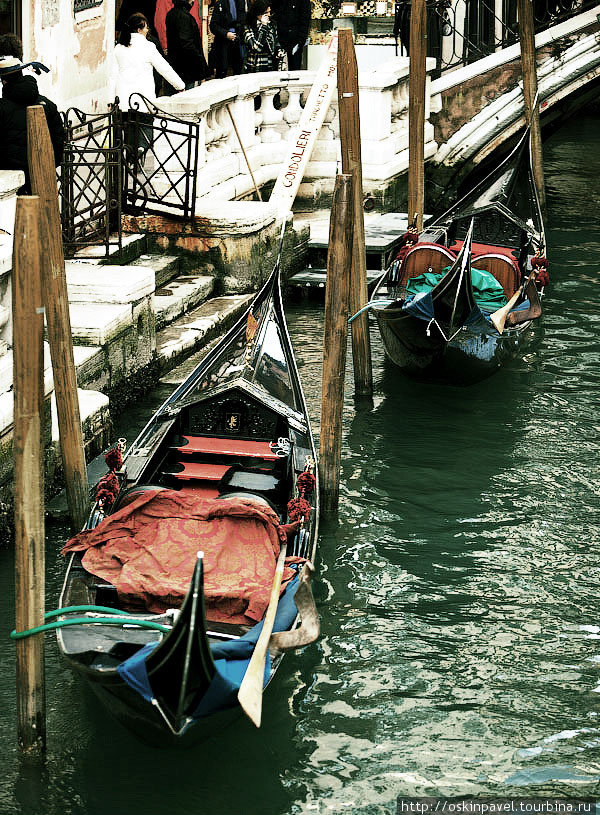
point(184, 44)
point(292, 18)
point(18, 92)
point(227, 26)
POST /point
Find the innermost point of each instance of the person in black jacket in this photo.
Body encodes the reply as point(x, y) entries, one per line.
point(227, 26)
point(184, 44)
point(18, 92)
point(292, 18)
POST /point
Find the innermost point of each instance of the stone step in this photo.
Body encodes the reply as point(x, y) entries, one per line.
point(165, 267)
point(133, 245)
point(189, 333)
point(180, 296)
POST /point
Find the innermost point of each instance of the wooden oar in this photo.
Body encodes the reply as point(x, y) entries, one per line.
point(498, 318)
point(251, 689)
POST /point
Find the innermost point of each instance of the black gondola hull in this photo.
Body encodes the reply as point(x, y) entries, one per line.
point(231, 442)
point(474, 354)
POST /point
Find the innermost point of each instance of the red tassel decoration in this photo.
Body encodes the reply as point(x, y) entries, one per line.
point(306, 483)
point(114, 458)
point(298, 508)
point(539, 263)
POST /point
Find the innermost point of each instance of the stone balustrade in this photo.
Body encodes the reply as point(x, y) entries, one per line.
point(266, 108)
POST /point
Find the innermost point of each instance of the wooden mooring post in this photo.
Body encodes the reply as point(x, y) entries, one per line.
point(339, 260)
point(54, 285)
point(349, 114)
point(532, 106)
point(28, 448)
point(416, 110)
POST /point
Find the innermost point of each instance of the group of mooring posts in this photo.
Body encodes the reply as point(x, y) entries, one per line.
point(346, 287)
point(39, 289)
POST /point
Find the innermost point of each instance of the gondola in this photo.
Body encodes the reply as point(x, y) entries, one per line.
point(462, 298)
point(179, 568)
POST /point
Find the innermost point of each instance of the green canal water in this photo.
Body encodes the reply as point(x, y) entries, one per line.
point(460, 652)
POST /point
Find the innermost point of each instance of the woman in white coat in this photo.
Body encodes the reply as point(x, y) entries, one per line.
point(136, 59)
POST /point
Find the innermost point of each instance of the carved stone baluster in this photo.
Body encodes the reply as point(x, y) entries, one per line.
point(293, 109)
point(272, 118)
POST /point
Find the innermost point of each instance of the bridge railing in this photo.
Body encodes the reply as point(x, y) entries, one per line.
point(460, 32)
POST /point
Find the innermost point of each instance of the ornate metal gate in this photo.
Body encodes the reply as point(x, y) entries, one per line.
point(91, 180)
point(161, 160)
point(138, 160)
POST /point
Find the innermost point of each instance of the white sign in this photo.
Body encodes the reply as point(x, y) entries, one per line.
point(307, 130)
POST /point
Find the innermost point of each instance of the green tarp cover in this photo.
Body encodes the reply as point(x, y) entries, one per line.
point(489, 294)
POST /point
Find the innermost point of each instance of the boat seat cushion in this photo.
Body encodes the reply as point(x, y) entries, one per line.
point(484, 249)
point(191, 445)
point(147, 550)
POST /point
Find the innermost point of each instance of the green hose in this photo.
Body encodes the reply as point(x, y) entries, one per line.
point(125, 618)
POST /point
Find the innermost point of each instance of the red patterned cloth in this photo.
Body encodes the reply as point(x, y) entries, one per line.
point(147, 550)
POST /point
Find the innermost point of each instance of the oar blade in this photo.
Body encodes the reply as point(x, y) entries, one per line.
point(250, 692)
point(251, 689)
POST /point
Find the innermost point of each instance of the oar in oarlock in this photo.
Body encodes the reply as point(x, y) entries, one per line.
point(251, 689)
point(498, 318)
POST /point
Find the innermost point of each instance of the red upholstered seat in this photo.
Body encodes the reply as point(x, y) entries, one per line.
point(228, 446)
point(195, 469)
point(484, 249)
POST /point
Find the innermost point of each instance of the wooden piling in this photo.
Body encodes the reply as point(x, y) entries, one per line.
point(416, 110)
point(349, 114)
point(28, 447)
point(54, 286)
point(532, 106)
point(339, 259)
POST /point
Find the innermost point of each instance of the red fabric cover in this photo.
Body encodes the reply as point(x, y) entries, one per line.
point(147, 550)
point(484, 249)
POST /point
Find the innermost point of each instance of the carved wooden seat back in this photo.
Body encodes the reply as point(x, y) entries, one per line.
point(425, 257)
point(502, 267)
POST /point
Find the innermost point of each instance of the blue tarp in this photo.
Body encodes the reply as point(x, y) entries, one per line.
point(231, 660)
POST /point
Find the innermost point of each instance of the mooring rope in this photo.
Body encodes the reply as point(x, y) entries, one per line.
point(119, 617)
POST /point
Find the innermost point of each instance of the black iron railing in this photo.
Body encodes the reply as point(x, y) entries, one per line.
point(459, 34)
point(139, 160)
point(161, 159)
point(91, 182)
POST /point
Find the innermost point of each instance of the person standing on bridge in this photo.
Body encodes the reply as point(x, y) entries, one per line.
point(227, 26)
point(18, 92)
point(293, 24)
point(263, 52)
point(135, 60)
point(184, 44)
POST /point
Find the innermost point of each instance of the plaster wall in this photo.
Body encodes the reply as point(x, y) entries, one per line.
point(76, 46)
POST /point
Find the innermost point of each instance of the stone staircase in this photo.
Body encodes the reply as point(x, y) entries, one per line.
point(132, 323)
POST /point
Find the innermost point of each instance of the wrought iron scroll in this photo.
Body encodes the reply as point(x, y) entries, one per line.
point(161, 160)
point(461, 33)
point(90, 183)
